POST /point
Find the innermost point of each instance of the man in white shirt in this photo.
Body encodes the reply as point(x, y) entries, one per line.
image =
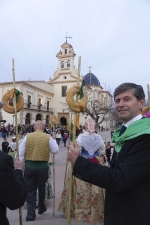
point(35, 149)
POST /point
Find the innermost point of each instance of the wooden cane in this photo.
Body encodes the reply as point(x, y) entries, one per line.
point(16, 126)
point(54, 184)
point(74, 136)
point(69, 142)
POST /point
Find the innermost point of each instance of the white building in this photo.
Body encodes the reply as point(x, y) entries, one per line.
point(38, 101)
point(43, 99)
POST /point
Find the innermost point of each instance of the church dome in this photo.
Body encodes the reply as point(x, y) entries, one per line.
point(91, 79)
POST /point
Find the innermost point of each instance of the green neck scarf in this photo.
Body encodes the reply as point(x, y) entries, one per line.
point(135, 129)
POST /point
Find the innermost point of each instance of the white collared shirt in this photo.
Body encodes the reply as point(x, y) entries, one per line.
point(138, 117)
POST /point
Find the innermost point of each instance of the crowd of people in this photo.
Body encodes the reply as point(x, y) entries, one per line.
point(108, 186)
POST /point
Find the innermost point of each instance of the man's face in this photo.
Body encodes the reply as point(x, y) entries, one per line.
point(127, 106)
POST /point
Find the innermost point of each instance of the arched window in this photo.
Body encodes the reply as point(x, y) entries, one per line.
point(62, 64)
point(68, 64)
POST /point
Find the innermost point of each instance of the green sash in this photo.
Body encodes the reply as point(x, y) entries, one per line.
point(135, 129)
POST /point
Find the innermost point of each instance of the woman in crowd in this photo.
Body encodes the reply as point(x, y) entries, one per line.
point(12, 148)
point(12, 145)
point(87, 200)
point(58, 137)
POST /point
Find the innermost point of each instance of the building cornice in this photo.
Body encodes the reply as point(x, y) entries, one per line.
point(25, 84)
point(53, 81)
point(67, 56)
point(60, 82)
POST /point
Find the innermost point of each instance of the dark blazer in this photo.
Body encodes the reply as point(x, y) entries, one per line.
point(12, 187)
point(127, 182)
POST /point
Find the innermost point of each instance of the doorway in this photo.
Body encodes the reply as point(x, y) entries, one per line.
point(28, 118)
point(63, 121)
point(38, 117)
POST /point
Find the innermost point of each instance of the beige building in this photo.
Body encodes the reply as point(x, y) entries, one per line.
point(38, 101)
point(43, 99)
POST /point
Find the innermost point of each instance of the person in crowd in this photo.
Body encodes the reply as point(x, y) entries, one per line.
point(62, 134)
point(58, 137)
point(12, 149)
point(0, 131)
point(4, 132)
point(99, 128)
point(12, 186)
point(65, 136)
point(11, 130)
point(81, 129)
point(111, 133)
point(108, 151)
point(35, 149)
point(12, 145)
point(87, 200)
point(1, 117)
point(127, 181)
point(5, 145)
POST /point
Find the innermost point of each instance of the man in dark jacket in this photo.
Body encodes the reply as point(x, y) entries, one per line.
point(12, 186)
point(127, 181)
point(5, 145)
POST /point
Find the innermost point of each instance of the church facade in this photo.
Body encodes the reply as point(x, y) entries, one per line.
point(43, 99)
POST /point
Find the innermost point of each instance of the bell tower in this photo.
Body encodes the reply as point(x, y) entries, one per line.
point(65, 58)
point(66, 71)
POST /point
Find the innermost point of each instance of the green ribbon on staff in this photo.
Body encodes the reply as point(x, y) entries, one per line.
point(71, 126)
point(17, 93)
point(81, 89)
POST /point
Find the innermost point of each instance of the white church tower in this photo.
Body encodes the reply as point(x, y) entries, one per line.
point(64, 77)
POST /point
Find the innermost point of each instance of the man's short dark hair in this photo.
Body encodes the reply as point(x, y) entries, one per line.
point(138, 91)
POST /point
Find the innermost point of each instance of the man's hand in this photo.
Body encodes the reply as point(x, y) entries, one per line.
point(19, 164)
point(73, 153)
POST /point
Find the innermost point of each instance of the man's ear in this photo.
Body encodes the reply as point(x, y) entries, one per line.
point(141, 103)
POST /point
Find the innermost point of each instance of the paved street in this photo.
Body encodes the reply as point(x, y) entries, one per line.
point(47, 217)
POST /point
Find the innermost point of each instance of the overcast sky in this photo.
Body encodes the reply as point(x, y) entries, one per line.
point(113, 36)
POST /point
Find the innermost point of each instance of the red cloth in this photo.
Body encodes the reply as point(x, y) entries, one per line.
point(95, 160)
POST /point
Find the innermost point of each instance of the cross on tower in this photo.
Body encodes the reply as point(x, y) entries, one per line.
point(67, 37)
point(90, 69)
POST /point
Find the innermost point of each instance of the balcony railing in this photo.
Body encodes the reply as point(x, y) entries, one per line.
point(38, 108)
